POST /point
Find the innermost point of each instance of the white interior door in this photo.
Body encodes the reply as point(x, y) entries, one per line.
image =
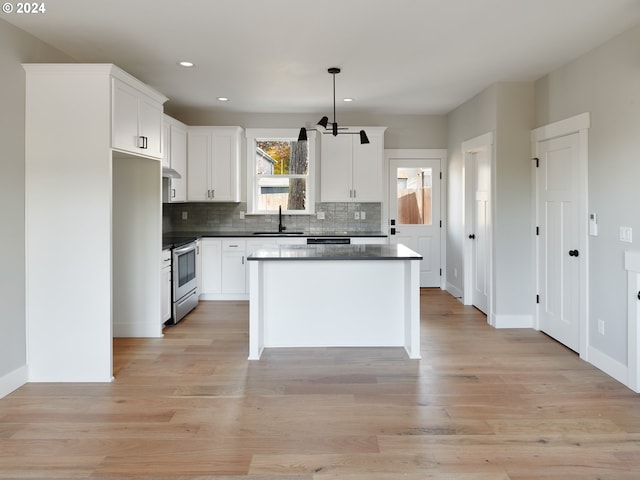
point(414, 212)
point(557, 189)
point(480, 229)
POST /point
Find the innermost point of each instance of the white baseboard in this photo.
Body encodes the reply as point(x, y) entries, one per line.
point(136, 330)
point(608, 365)
point(454, 291)
point(13, 380)
point(513, 321)
point(224, 297)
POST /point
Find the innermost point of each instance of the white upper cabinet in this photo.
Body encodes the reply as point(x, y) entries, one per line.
point(213, 164)
point(175, 157)
point(137, 121)
point(350, 171)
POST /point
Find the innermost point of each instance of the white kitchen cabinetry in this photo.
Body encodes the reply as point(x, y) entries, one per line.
point(107, 223)
point(213, 164)
point(350, 171)
point(369, 240)
point(137, 121)
point(224, 266)
point(175, 157)
point(234, 268)
point(211, 261)
point(165, 285)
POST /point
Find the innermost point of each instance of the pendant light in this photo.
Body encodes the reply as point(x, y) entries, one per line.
point(324, 121)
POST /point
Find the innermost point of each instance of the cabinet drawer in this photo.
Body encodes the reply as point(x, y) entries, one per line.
point(233, 245)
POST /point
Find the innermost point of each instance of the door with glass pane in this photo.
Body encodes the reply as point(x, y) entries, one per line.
point(414, 212)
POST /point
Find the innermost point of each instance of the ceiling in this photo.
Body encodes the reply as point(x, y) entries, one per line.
point(397, 56)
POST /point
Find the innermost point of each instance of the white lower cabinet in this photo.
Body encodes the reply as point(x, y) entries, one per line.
point(234, 269)
point(165, 284)
point(211, 267)
point(224, 269)
point(370, 240)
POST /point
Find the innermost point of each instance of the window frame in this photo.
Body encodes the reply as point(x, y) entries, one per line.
point(285, 134)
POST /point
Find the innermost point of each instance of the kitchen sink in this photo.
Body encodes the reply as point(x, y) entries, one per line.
point(278, 234)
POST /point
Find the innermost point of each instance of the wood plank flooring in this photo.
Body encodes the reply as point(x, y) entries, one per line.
point(482, 404)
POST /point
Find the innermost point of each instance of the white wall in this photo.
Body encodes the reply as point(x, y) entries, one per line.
point(606, 83)
point(403, 131)
point(475, 117)
point(16, 47)
point(506, 110)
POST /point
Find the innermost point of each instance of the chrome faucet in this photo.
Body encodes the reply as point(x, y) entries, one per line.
point(281, 227)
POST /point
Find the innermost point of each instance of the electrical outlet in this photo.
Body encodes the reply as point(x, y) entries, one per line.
point(185, 215)
point(363, 215)
point(601, 327)
point(320, 215)
point(455, 273)
point(357, 216)
point(241, 215)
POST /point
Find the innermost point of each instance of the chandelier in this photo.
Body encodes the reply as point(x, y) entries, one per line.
point(324, 121)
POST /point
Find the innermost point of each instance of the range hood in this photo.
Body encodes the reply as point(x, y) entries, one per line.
point(168, 172)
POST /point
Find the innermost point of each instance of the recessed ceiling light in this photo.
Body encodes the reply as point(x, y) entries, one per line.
point(186, 64)
point(348, 99)
point(223, 99)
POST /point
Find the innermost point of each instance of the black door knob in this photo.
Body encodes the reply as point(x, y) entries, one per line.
point(472, 236)
point(574, 253)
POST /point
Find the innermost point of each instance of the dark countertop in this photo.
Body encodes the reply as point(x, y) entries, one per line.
point(335, 252)
point(175, 239)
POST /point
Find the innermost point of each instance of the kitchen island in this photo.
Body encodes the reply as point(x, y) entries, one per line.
point(334, 296)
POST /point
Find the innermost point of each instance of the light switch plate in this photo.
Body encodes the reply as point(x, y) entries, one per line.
point(626, 234)
point(320, 215)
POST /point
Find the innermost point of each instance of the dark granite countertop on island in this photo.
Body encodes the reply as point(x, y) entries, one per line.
point(335, 252)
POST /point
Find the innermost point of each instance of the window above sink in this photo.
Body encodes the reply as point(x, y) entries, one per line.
point(280, 172)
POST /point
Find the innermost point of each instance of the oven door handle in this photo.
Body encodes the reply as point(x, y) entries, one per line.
point(183, 250)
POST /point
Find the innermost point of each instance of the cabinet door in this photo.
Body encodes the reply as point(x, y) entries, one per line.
point(198, 159)
point(150, 125)
point(370, 240)
point(165, 294)
point(135, 116)
point(224, 167)
point(125, 117)
point(234, 272)
point(166, 144)
point(234, 266)
point(367, 170)
point(335, 167)
point(179, 163)
point(211, 254)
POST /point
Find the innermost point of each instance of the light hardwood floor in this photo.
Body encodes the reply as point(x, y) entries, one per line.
point(482, 404)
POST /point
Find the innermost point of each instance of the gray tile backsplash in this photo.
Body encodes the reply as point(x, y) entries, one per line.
point(225, 217)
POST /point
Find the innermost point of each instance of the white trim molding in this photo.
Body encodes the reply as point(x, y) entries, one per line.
point(481, 143)
point(13, 380)
point(632, 266)
point(577, 124)
point(419, 153)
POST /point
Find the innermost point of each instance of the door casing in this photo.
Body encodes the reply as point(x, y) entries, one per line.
point(482, 143)
point(578, 124)
point(419, 153)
